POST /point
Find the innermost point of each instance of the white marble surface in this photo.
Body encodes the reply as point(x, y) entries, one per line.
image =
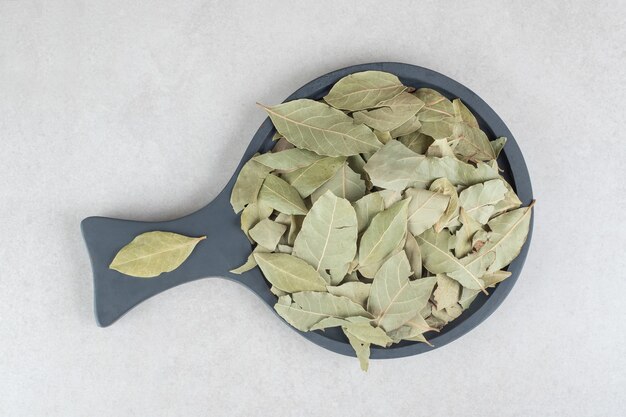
point(142, 109)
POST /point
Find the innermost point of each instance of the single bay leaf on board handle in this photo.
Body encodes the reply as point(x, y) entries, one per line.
point(322, 129)
point(152, 253)
point(364, 90)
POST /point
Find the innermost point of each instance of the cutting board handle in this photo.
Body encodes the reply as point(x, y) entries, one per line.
point(225, 248)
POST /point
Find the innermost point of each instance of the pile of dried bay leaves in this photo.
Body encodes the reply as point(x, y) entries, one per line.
point(381, 209)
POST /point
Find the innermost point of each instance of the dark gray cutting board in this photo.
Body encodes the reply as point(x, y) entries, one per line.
point(226, 247)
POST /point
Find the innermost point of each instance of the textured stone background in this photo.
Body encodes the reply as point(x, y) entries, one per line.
point(142, 110)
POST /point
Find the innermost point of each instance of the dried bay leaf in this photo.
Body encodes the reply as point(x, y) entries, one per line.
point(364, 90)
point(267, 233)
point(410, 126)
point(463, 114)
point(508, 234)
point(361, 348)
point(152, 253)
point(464, 236)
point(250, 261)
point(279, 195)
point(497, 145)
point(412, 250)
point(438, 259)
point(479, 200)
point(411, 329)
point(393, 167)
point(305, 309)
point(472, 143)
point(440, 148)
point(386, 231)
point(390, 197)
point(417, 142)
point(425, 209)
point(366, 208)
point(509, 202)
point(252, 214)
point(367, 333)
point(288, 160)
point(391, 113)
point(344, 184)
point(436, 106)
point(356, 291)
point(449, 218)
point(315, 126)
point(308, 179)
point(441, 129)
point(328, 236)
point(248, 184)
point(288, 273)
point(457, 172)
point(447, 293)
point(393, 298)
point(383, 137)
